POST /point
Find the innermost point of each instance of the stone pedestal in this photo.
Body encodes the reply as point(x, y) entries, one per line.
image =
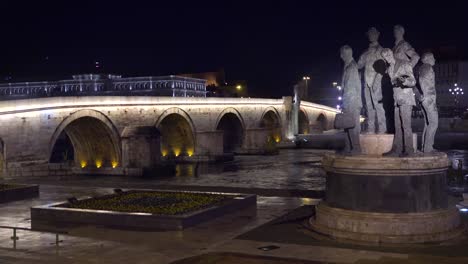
point(387, 200)
point(377, 144)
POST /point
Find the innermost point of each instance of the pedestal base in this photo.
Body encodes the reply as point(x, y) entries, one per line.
point(377, 144)
point(341, 224)
point(387, 200)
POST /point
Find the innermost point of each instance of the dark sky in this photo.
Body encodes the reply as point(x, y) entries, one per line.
point(270, 44)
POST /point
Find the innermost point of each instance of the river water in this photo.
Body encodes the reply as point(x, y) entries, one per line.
point(298, 169)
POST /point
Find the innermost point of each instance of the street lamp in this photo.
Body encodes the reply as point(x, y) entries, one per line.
point(306, 79)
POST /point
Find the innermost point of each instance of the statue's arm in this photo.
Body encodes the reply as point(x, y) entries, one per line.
point(414, 56)
point(410, 80)
point(362, 61)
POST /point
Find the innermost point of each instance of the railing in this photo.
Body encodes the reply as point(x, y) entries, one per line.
point(15, 236)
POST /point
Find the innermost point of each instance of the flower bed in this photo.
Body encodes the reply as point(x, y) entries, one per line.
point(161, 203)
point(140, 209)
point(15, 192)
point(7, 187)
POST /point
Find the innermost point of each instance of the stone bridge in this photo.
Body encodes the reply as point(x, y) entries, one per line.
point(126, 134)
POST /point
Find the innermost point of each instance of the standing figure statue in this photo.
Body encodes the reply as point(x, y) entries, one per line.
point(402, 49)
point(369, 60)
point(352, 101)
point(428, 102)
point(403, 81)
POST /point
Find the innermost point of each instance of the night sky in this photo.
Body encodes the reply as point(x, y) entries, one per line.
point(270, 45)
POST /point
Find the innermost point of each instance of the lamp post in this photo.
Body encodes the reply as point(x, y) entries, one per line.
point(457, 92)
point(306, 79)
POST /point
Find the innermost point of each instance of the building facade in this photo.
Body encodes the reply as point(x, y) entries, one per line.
point(451, 85)
point(102, 84)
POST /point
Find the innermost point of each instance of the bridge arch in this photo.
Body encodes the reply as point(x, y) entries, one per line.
point(91, 137)
point(322, 122)
point(303, 122)
point(271, 120)
point(232, 124)
point(177, 133)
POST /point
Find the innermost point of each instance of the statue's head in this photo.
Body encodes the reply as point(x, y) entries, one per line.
point(398, 31)
point(373, 34)
point(346, 53)
point(428, 58)
point(387, 55)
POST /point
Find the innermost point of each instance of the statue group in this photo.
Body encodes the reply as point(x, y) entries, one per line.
point(396, 65)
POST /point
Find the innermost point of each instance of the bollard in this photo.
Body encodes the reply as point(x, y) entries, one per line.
point(14, 238)
point(460, 177)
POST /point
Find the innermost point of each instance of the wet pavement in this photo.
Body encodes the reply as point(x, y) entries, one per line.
point(103, 245)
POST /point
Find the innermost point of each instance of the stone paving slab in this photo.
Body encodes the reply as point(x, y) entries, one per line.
point(101, 245)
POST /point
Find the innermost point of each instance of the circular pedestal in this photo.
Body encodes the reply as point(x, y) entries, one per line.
point(377, 144)
point(387, 199)
point(432, 226)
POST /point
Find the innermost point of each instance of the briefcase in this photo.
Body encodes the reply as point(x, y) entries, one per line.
point(344, 121)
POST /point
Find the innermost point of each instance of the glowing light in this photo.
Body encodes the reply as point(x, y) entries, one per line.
point(83, 163)
point(335, 84)
point(338, 107)
point(339, 88)
point(114, 164)
point(456, 84)
point(339, 98)
point(464, 210)
point(238, 87)
point(450, 90)
point(190, 152)
point(176, 152)
point(98, 163)
point(277, 139)
point(306, 78)
point(164, 153)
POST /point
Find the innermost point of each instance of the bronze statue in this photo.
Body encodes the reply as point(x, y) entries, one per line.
point(352, 102)
point(428, 102)
point(373, 83)
point(403, 81)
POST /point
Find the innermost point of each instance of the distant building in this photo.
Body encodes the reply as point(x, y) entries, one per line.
point(451, 86)
point(217, 86)
point(106, 84)
point(212, 78)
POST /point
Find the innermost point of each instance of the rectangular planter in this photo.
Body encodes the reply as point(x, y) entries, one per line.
point(52, 217)
point(20, 192)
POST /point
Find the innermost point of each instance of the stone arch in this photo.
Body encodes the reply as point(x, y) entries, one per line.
point(271, 120)
point(93, 138)
point(177, 133)
point(303, 122)
point(322, 122)
point(232, 124)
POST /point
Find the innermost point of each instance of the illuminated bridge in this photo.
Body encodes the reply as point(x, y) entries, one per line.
point(125, 134)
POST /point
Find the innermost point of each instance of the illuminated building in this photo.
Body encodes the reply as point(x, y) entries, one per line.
point(102, 84)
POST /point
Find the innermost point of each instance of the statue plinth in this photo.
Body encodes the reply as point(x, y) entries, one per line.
point(377, 144)
point(387, 199)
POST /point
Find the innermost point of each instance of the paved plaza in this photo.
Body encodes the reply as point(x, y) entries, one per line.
point(280, 178)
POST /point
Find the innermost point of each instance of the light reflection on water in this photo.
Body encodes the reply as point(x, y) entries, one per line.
point(291, 169)
point(458, 155)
